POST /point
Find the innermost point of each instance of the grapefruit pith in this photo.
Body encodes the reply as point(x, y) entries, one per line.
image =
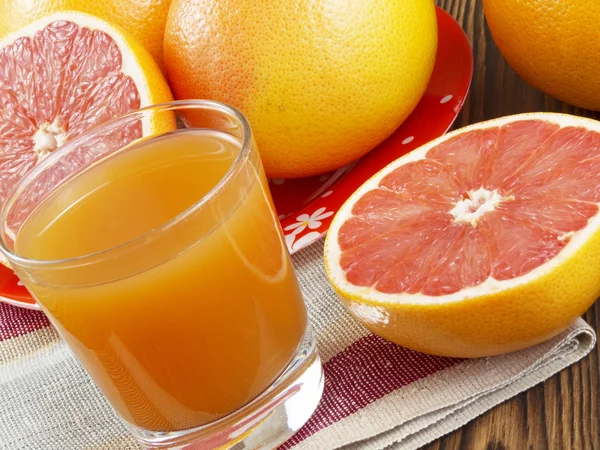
point(61, 75)
point(484, 241)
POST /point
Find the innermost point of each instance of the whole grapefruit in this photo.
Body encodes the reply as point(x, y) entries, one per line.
point(552, 44)
point(144, 19)
point(321, 81)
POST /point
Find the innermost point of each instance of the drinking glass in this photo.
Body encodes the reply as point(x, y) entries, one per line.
point(152, 244)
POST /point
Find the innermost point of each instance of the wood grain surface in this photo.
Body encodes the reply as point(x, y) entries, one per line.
point(563, 412)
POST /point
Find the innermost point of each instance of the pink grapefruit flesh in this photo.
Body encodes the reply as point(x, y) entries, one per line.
point(496, 202)
point(484, 241)
point(54, 85)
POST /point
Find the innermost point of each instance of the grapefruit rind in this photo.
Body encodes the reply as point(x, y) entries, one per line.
point(493, 317)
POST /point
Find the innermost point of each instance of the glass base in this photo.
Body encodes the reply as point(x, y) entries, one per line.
point(266, 422)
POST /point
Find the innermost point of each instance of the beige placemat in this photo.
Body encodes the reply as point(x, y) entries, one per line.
point(377, 395)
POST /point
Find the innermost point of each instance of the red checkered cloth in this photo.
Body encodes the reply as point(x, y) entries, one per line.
point(377, 394)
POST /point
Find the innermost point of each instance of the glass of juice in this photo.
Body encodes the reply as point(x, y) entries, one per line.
point(152, 244)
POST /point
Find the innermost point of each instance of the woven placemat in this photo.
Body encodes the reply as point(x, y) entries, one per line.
point(377, 394)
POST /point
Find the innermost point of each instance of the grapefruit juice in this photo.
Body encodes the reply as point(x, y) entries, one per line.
point(189, 307)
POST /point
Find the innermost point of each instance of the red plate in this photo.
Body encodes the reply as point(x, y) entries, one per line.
point(306, 205)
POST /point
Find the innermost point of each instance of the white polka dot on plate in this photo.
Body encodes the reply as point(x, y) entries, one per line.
point(408, 140)
point(446, 99)
point(278, 181)
point(327, 194)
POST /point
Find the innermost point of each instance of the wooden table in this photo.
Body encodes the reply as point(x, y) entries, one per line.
point(563, 412)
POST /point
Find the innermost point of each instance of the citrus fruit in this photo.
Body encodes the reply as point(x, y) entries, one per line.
point(551, 44)
point(484, 241)
point(144, 20)
point(61, 75)
point(321, 82)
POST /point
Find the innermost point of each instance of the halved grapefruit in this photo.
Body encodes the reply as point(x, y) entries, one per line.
point(484, 241)
point(61, 75)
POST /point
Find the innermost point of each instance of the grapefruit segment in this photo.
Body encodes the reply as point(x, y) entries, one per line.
point(562, 216)
point(515, 143)
point(518, 246)
point(469, 155)
point(366, 224)
point(426, 180)
point(568, 167)
point(456, 245)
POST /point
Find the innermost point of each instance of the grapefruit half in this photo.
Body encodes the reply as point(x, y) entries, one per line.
point(481, 242)
point(61, 75)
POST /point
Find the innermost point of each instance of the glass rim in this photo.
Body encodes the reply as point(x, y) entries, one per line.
point(212, 105)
